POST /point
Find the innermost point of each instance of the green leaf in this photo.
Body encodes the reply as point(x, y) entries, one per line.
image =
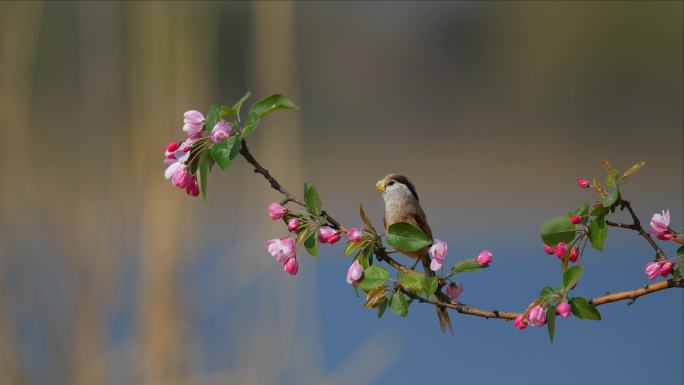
point(220, 153)
point(213, 116)
point(599, 211)
point(582, 309)
point(352, 247)
point(572, 275)
point(583, 210)
point(382, 308)
point(238, 105)
point(406, 237)
point(680, 251)
point(558, 229)
point(313, 202)
point(398, 304)
point(545, 292)
point(551, 321)
point(234, 147)
point(466, 265)
point(227, 111)
point(373, 277)
point(311, 244)
point(598, 232)
point(202, 173)
point(613, 196)
point(432, 284)
point(611, 180)
point(264, 107)
point(414, 281)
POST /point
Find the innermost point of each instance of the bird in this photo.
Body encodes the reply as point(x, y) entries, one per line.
point(403, 205)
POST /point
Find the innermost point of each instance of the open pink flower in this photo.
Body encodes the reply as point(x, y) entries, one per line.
point(520, 323)
point(652, 269)
point(276, 211)
point(454, 290)
point(355, 235)
point(291, 267)
point(583, 183)
point(192, 122)
point(563, 309)
point(484, 258)
point(537, 316)
point(221, 131)
point(354, 273)
point(282, 249)
point(438, 252)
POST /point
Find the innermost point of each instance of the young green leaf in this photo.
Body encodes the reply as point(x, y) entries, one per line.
point(202, 173)
point(680, 251)
point(213, 116)
point(551, 321)
point(398, 304)
point(364, 217)
point(582, 309)
point(311, 244)
point(414, 281)
point(611, 180)
point(407, 237)
point(466, 265)
point(264, 107)
point(599, 211)
point(612, 197)
point(227, 111)
point(545, 292)
point(432, 285)
point(373, 277)
point(234, 144)
point(382, 308)
point(558, 229)
point(238, 105)
point(598, 232)
point(220, 153)
point(571, 276)
point(313, 202)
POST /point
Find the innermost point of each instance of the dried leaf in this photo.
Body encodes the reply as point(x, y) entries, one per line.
point(375, 297)
point(606, 166)
point(364, 217)
point(597, 187)
point(301, 237)
point(633, 170)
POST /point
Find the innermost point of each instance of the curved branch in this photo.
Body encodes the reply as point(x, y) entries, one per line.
point(383, 256)
point(636, 226)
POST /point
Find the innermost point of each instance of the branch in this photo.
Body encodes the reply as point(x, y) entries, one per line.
point(383, 256)
point(636, 226)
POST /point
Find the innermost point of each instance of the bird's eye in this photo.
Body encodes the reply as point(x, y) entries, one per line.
point(390, 183)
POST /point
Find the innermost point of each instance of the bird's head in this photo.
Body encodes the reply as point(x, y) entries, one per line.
point(395, 187)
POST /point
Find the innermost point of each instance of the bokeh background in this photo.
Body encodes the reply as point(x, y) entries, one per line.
point(109, 275)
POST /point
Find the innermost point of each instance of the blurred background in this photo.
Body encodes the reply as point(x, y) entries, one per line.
point(109, 275)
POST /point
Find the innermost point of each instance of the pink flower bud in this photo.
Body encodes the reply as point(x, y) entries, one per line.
point(574, 254)
point(519, 322)
point(354, 235)
point(220, 132)
point(454, 290)
point(665, 269)
point(537, 316)
point(438, 250)
point(193, 117)
point(549, 250)
point(583, 183)
point(192, 188)
point(291, 266)
point(563, 309)
point(173, 146)
point(652, 269)
point(576, 219)
point(561, 248)
point(275, 211)
point(354, 273)
point(484, 258)
point(327, 234)
point(180, 178)
point(666, 236)
point(293, 224)
point(435, 264)
point(660, 225)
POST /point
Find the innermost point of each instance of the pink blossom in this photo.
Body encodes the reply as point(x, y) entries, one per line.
point(173, 146)
point(192, 188)
point(561, 248)
point(563, 309)
point(652, 269)
point(549, 250)
point(276, 211)
point(660, 223)
point(327, 234)
point(576, 219)
point(221, 131)
point(282, 249)
point(665, 269)
point(484, 258)
point(520, 322)
point(666, 236)
point(291, 266)
point(293, 224)
point(435, 264)
point(574, 255)
point(537, 316)
point(172, 168)
point(583, 183)
point(355, 235)
point(193, 122)
point(438, 250)
point(354, 273)
point(454, 290)
point(180, 178)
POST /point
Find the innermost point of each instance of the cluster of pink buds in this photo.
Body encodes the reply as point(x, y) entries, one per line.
point(354, 273)
point(284, 250)
point(661, 267)
point(177, 154)
point(536, 315)
point(660, 226)
point(561, 249)
point(454, 290)
point(327, 234)
point(438, 252)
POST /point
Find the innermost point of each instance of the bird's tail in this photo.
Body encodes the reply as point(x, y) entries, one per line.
point(442, 313)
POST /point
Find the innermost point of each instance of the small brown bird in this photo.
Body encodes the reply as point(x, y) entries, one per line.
point(402, 205)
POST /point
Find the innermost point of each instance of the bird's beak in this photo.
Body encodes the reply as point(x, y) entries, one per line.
point(380, 185)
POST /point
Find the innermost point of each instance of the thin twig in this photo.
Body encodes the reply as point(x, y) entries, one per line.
point(636, 226)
